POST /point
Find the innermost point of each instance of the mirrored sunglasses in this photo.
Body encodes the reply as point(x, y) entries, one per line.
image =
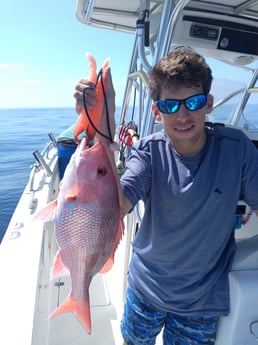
point(171, 106)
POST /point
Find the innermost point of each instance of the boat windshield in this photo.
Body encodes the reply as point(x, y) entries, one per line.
point(249, 119)
point(235, 100)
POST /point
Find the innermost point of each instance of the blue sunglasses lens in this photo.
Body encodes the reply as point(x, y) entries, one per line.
point(170, 106)
point(195, 102)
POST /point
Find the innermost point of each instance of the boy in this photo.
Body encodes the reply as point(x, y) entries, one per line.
point(190, 179)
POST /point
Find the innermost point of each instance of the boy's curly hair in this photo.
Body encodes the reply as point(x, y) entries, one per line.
point(182, 67)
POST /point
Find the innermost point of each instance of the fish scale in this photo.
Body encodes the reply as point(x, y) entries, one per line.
point(85, 220)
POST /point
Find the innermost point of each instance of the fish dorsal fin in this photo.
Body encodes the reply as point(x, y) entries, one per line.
point(120, 231)
point(109, 263)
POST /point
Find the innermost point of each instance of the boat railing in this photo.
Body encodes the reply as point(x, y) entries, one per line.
point(228, 97)
point(250, 89)
point(43, 161)
point(145, 55)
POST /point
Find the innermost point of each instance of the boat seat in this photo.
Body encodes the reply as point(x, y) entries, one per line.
point(246, 257)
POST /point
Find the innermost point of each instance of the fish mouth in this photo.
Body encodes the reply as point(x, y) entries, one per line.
point(83, 143)
point(86, 149)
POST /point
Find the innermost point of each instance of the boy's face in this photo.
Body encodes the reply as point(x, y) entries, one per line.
point(184, 127)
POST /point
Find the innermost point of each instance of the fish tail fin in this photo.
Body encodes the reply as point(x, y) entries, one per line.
point(92, 67)
point(82, 124)
point(106, 63)
point(47, 213)
point(80, 308)
point(95, 113)
point(105, 67)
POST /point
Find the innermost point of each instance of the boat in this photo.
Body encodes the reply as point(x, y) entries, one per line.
point(225, 32)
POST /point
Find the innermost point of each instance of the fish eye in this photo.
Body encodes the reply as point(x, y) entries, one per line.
point(101, 171)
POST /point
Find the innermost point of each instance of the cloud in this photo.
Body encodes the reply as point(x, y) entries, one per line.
point(32, 82)
point(9, 67)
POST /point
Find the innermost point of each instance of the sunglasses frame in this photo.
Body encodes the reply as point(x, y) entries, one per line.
point(182, 101)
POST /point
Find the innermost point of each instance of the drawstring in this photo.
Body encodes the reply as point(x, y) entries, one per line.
point(109, 137)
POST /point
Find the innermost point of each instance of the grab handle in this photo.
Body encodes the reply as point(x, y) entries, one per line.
point(252, 331)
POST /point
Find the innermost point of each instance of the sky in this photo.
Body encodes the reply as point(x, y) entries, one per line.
point(42, 53)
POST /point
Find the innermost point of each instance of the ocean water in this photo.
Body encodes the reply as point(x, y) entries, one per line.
point(23, 131)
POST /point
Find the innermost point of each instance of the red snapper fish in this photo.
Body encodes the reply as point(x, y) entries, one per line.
point(88, 225)
point(87, 216)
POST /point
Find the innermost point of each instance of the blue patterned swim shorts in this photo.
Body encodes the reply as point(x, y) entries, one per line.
point(142, 322)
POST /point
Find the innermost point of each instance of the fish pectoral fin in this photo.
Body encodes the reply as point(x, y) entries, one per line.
point(58, 269)
point(70, 197)
point(108, 265)
point(47, 213)
point(80, 308)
